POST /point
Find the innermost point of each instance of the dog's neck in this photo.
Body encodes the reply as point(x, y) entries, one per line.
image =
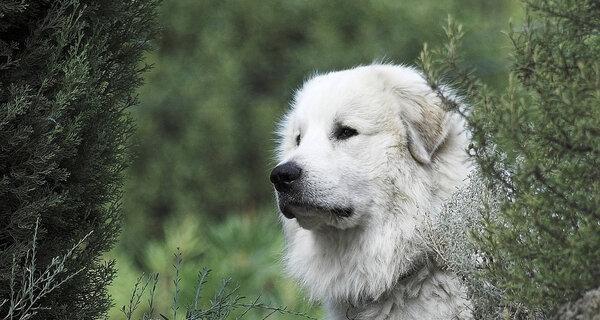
point(366, 263)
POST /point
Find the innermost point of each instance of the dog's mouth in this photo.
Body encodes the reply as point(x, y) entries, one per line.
point(291, 209)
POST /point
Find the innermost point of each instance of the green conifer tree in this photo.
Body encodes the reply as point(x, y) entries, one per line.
point(68, 71)
point(538, 142)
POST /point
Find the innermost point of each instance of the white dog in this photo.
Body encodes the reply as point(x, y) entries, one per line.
point(366, 156)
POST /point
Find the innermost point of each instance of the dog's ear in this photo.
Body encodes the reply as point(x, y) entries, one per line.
point(426, 135)
point(427, 124)
point(426, 121)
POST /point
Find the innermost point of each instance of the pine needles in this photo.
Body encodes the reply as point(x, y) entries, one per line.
point(29, 284)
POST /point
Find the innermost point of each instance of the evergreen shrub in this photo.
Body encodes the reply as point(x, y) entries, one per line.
point(68, 74)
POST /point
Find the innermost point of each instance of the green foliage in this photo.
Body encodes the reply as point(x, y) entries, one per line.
point(538, 141)
point(450, 235)
point(68, 72)
point(225, 72)
point(243, 248)
point(223, 304)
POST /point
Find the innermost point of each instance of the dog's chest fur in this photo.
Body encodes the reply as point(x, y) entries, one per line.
point(427, 293)
point(356, 282)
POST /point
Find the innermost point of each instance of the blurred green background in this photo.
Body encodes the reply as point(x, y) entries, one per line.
point(224, 72)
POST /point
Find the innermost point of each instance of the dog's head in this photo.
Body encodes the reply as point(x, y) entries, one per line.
point(356, 142)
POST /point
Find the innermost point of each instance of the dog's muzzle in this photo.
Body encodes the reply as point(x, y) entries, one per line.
point(286, 180)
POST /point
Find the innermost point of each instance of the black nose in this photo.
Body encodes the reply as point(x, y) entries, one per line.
point(284, 174)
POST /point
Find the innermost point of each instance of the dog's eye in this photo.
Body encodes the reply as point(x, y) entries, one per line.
point(344, 132)
point(298, 140)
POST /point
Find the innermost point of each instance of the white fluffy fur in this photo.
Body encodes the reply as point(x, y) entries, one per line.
point(408, 157)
